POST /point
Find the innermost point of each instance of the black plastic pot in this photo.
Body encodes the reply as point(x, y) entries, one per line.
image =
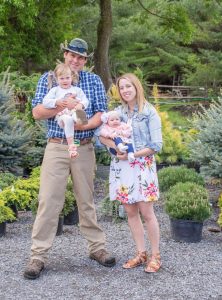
point(15, 211)
point(2, 229)
point(60, 226)
point(186, 230)
point(72, 218)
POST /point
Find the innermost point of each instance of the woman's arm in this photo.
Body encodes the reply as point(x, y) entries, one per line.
point(144, 152)
point(107, 142)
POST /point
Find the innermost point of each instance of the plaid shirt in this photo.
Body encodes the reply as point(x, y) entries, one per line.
point(92, 86)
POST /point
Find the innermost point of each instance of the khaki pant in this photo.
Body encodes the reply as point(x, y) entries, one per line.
point(56, 168)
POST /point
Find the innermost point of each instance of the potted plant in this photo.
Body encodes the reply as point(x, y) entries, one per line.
point(70, 209)
point(188, 206)
point(6, 214)
point(15, 199)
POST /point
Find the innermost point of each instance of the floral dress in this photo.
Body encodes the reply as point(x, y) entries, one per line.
point(133, 182)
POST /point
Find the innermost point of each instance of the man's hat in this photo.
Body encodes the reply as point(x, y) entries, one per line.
point(77, 46)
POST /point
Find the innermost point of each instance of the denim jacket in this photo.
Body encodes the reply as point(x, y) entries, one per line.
point(146, 127)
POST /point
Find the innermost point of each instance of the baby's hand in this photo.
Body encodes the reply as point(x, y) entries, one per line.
point(113, 135)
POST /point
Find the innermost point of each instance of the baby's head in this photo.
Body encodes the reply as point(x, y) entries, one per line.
point(63, 75)
point(112, 118)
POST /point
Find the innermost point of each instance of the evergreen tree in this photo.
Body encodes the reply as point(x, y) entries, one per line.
point(206, 145)
point(14, 139)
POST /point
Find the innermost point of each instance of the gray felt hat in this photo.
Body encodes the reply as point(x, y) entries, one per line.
point(77, 46)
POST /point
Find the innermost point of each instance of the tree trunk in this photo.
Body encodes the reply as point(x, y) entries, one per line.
point(104, 31)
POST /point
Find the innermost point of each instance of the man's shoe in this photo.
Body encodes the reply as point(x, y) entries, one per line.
point(33, 269)
point(103, 258)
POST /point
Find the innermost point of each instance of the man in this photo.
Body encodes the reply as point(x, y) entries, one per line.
point(57, 166)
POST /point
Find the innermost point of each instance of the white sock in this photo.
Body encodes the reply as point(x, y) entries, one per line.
point(74, 116)
point(122, 148)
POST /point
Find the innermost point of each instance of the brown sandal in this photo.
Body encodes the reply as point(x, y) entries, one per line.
point(139, 259)
point(153, 264)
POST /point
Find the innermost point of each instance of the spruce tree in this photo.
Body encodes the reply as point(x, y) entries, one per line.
point(14, 138)
point(206, 145)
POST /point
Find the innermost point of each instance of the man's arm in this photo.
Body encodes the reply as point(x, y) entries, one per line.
point(39, 112)
point(93, 122)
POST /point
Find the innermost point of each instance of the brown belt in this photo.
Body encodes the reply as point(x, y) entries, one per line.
point(64, 141)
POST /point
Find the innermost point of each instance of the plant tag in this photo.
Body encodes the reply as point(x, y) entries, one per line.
point(77, 142)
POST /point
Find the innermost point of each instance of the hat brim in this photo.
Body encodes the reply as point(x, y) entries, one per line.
point(79, 53)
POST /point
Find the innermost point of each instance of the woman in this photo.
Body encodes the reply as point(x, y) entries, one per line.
point(135, 184)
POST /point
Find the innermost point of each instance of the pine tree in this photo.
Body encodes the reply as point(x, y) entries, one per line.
point(206, 145)
point(14, 139)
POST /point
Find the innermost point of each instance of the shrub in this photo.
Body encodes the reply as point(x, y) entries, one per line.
point(171, 175)
point(103, 156)
point(11, 196)
point(6, 179)
point(6, 214)
point(110, 208)
point(14, 137)
point(187, 201)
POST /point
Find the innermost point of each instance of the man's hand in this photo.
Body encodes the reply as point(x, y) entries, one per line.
point(62, 103)
point(72, 101)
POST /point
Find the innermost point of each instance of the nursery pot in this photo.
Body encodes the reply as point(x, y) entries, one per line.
point(72, 218)
point(15, 211)
point(186, 230)
point(2, 228)
point(122, 212)
point(60, 226)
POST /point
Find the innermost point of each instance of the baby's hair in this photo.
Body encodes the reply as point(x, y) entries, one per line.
point(62, 69)
point(113, 113)
point(106, 115)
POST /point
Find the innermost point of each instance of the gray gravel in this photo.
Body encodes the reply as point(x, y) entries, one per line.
point(190, 271)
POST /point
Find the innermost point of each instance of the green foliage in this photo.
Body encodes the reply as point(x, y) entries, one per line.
point(170, 176)
point(102, 156)
point(110, 208)
point(70, 201)
point(14, 138)
point(6, 179)
point(174, 149)
point(6, 214)
point(187, 201)
point(206, 147)
point(13, 196)
point(42, 26)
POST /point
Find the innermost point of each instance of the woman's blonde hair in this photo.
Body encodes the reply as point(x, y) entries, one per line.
point(140, 97)
point(62, 69)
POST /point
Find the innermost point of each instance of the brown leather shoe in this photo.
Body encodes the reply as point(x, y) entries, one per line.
point(103, 258)
point(33, 269)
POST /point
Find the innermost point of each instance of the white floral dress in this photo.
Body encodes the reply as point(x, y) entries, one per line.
point(133, 182)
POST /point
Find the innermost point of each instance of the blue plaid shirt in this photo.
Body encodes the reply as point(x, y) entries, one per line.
point(94, 89)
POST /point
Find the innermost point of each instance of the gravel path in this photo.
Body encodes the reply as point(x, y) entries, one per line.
point(190, 271)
